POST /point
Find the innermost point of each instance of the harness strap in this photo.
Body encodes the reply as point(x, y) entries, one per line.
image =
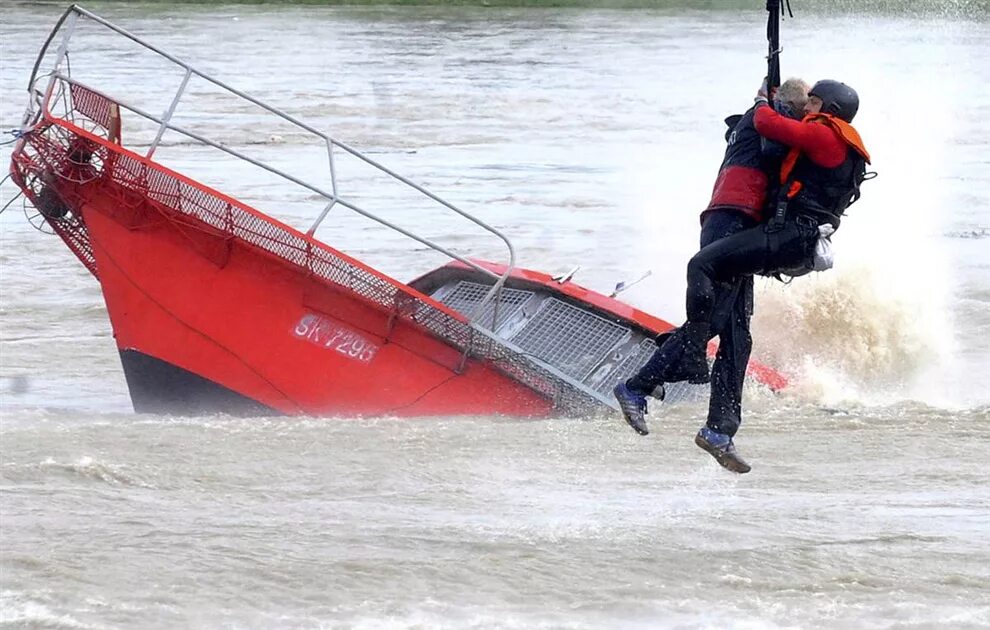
point(776, 222)
point(773, 244)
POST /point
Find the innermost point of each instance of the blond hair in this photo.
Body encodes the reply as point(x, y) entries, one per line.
point(793, 92)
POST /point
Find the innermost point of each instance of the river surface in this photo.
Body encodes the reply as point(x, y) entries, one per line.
point(592, 138)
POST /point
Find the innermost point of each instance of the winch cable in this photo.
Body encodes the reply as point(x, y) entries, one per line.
point(773, 41)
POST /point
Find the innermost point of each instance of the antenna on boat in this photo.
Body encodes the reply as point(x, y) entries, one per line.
point(622, 286)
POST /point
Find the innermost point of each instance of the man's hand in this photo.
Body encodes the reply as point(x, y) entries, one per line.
point(762, 95)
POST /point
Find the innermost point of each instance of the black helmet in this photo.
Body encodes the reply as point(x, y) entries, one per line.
point(838, 99)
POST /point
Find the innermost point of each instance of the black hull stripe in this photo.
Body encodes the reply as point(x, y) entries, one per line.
point(157, 386)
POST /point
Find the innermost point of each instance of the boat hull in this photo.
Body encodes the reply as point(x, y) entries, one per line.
point(203, 321)
point(159, 387)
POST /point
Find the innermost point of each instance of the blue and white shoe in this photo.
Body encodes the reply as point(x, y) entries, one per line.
point(633, 407)
point(720, 446)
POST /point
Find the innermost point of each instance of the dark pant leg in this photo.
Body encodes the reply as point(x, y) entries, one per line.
point(733, 308)
point(720, 290)
point(744, 253)
point(657, 370)
point(729, 369)
point(753, 252)
point(661, 368)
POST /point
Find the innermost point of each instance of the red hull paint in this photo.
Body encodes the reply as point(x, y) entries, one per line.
point(232, 318)
point(196, 280)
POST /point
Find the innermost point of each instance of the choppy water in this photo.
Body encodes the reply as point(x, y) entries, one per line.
point(592, 138)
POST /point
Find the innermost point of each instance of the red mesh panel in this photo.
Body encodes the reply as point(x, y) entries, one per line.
point(34, 167)
point(91, 105)
point(231, 217)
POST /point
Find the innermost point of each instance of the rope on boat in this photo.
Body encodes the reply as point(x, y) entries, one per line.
point(14, 198)
point(17, 136)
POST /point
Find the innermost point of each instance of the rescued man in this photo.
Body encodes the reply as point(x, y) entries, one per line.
point(818, 179)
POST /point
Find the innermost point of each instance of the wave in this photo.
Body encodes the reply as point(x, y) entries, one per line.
point(844, 336)
point(85, 468)
point(975, 233)
point(20, 611)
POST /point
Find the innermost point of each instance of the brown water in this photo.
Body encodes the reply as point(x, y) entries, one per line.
point(592, 138)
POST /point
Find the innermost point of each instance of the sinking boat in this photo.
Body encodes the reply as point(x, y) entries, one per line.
point(218, 307)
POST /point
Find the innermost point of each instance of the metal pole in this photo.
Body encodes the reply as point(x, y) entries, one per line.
point(74, 11)
point(333, 170)
point(773, 45)
point(302, 125)
point(294, 180)
point(63, 48)
point(167, 116)
point(320, 218)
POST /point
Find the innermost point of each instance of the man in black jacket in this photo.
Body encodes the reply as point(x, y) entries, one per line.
point(746, 181)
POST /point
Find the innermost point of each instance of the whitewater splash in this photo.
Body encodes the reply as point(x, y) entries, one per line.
point(849, 335)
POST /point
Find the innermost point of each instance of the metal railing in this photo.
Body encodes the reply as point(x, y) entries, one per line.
point(69, 20)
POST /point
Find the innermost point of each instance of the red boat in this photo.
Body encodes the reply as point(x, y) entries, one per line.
point(217, 307)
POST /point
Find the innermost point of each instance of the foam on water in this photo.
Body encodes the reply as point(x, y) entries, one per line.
point(19, 610)
point(847, 335)
point(887, 324)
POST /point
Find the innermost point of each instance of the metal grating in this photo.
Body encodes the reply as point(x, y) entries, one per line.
point(44, 152)
point(629, 366)
point(675, 392)
point(684, 392)
point(569, 338)
point(91, 105)
point(467, 295)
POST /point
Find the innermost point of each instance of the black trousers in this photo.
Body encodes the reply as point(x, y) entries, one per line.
point(720, 294)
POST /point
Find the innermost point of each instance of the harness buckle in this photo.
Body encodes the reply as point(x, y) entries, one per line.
point(776, 222)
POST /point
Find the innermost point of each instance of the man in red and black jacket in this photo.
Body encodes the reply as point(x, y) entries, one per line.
point(745, 179)
point(817, 180)
point(751, 165)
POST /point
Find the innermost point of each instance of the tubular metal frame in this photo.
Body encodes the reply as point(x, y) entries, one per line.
point(69, 19)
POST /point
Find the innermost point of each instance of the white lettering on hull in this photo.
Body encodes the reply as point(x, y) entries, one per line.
point(330, 335)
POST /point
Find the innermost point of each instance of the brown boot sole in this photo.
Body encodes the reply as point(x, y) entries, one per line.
point(728, 461)
point(641, 429)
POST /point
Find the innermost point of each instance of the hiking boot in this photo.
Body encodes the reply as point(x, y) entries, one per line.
point(720, 446)
point(633, 407)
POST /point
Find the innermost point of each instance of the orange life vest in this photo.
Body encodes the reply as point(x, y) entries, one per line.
point(846, 131)
point(819, 191)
